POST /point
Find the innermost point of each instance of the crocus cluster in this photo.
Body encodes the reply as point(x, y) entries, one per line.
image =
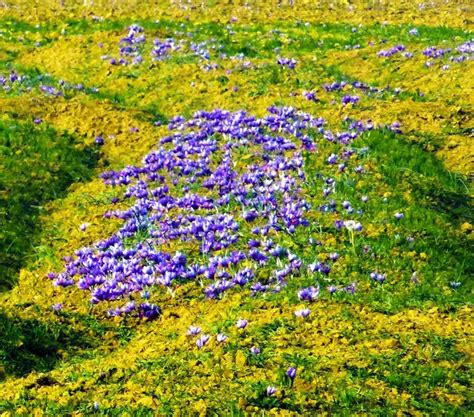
point(163, 48)
point(43, 83)
point(201, 152)
point(224, 213)
point(287, 62)
point(200, 50)
point(130, 47)
point(348, 99)
point(378, 277)
point(434, 52)
point(335, 86)
point(386, 53)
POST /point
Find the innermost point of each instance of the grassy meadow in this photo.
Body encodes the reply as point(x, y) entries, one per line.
point(229, 209)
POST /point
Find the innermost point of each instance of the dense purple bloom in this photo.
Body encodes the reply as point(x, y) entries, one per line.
point(192, 191)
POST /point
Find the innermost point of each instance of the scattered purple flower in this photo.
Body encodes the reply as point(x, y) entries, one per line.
point(202, 341)
point(241, 324)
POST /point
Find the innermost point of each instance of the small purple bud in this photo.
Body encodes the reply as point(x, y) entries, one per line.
point(291, 372)
point(271, 390)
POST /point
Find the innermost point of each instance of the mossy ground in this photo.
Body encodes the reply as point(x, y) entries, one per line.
point(401, 348)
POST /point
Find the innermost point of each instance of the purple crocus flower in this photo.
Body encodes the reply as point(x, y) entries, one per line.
point(332, 159)
point(271, 390)
point(202, 341)
point(310, 95)
point(255, 350)
point(291, 373)
point(193, 331)
point(378, 277)
point(149, 311)
point(242, 323)
point(334, 256)
point(399, 216)
point(351, 288)
point(221, 338)
point(332, 289)
point(287, 62)
point(308, 294)
point(347, 99)
point(353, 225)
point(303, 313)
point(57, 307)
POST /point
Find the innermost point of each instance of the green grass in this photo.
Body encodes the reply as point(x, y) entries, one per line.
point(37, 165)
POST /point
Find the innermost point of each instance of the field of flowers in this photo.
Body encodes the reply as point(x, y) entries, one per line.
point(228, 208)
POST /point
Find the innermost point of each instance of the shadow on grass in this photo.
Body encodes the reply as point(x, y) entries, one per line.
point(31, 345)
point(442, 198)
point(37, 164)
